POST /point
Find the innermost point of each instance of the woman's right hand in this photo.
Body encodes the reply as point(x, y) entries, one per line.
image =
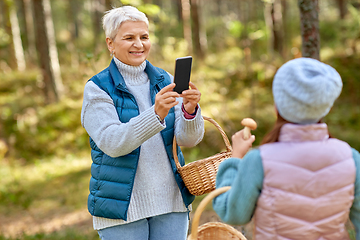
point(165, 100)
point(239, 145)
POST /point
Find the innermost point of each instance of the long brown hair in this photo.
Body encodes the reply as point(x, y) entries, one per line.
point(273, 135)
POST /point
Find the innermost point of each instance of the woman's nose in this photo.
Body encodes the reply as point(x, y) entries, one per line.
point(138, 43)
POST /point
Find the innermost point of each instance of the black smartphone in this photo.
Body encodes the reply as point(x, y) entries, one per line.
point(182, 73)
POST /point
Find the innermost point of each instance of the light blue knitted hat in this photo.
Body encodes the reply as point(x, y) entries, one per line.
point(305, 89)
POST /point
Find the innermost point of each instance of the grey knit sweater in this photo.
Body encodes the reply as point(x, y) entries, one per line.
point(155, 191)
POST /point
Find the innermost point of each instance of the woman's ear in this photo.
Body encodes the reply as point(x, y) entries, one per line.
point(110, 45)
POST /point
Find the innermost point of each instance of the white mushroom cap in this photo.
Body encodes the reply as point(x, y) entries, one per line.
point(249, 122)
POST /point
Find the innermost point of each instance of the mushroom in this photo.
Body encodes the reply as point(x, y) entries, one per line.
point(249, 124)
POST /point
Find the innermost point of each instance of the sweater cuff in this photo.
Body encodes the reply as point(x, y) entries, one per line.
point(188, 115)
point(147, 125)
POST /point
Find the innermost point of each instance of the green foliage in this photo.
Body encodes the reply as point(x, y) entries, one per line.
point(352, 234)
point(42, 183)
point(4, 38)
point(355, 15)
point(236, 28)
point(343, 120)
point(329, 31)
point(41, 145)
point(149, 9)
point(32, 129)
point(233, 91)
point(48, 191)
point(72, 234)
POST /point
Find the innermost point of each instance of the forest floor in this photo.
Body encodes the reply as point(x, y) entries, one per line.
point(47, 200)
point(29, 224)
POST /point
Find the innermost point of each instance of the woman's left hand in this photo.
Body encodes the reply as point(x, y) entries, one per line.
point(191, 98)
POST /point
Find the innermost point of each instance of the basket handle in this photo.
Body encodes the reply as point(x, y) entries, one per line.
point(223, 134)
point(201, 207)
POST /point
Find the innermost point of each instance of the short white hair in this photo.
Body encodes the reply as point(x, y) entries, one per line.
point(113, 19)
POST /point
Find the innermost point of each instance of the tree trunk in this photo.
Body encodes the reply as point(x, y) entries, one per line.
point(10, 50)
point(309, 16)
point(269, 25)
point(45, 43)
point(278, 28)
point(20, 6)
point(203, 36)
point(220, 8)
point(196, 28)
point(108, 5)
point(16, 36)
point(97, 9)
point(74, 8)
point(59, 88)
point(30, 36)
point(342, 8)
point(342, 13)
point(273, 20)
point(73, 24)
point(179, 10)
point(286, 35)
point(185, 5)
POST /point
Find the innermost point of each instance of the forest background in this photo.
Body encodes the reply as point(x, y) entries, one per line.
point(50, 48)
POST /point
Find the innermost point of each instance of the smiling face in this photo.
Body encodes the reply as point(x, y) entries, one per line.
point(131, 44)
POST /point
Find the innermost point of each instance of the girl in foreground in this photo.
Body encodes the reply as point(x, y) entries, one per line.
point(300, 183)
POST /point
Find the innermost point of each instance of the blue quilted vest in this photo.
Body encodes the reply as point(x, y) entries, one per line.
point(112, 179)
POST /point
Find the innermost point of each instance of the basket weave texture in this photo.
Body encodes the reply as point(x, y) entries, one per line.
point(200, 176)
point(212, 230)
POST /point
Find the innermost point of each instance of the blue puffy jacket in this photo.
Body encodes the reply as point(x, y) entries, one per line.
point(112, 179)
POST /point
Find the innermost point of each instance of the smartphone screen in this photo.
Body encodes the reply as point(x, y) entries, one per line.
point(182, 73)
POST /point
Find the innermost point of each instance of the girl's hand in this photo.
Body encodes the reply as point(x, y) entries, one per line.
point(239, 145)
point(191, 98)
point(165, 100)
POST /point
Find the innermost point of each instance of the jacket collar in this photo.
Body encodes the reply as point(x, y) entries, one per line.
point(300, 133)
point(154, 75)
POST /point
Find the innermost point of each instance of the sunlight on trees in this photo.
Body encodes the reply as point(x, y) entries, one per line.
point(50, 48)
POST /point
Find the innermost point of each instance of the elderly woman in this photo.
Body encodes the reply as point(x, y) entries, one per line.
point(131, 114)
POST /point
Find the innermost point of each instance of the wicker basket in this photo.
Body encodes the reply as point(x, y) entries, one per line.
point(200, 176)
point(212, 230)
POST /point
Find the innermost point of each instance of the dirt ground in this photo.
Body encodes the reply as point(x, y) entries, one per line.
point(30, 223)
